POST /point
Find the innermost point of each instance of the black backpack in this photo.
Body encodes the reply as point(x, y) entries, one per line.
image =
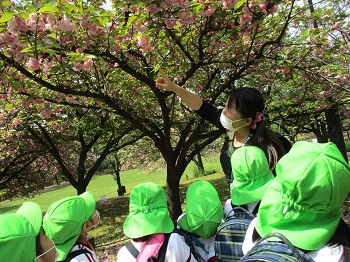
point(275, 251)
point(230, 234)
point(161, 253)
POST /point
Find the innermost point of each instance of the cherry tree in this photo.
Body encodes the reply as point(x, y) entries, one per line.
point(64, 51)
point(307, 77)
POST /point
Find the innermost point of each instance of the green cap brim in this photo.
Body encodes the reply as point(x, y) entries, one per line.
point(152, 222)
point(64, 221)
point(250, 191)
point(304, 229)
point(19, 231)
point(32, 212)
point(183, 223)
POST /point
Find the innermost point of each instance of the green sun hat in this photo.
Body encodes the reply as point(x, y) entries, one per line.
point(251, 173)
point(304, 201)
point(148, 212)
point(64, 221)
point(18, 232)
point(204, 211)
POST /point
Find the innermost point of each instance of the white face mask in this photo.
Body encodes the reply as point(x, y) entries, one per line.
point(227, 123)
point(47, 251)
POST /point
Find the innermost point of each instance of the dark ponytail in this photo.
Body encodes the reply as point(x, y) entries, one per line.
point(248, 102)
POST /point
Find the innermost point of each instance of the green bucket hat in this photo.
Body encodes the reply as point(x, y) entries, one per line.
point(304, 201)
point(19, 231)
point(204, 211)
point(251, 173)
point(148, 212)
point(64, 221)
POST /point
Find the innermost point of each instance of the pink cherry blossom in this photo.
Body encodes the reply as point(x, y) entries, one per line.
point(169, 24)
point(152, 9)
point(9, 138)
point(263, 7)
point(229, 4)
point(210, 11)
point(10, 39)
point(87, 64)
point(272, 10)
point(17, 24)
point(185, 17)
point(285, 70)
point(33, 63)
point(177, 78)
point(17, 122)
point(48, 22)
point(245, 18)
point(335, 26)
point(78, 66)
point(140, 28)
point(143, 43)
point(84, 24)
point(253, 4)
point(4, 81)
point(25, 104)
point(46, 114)
point(65, 25)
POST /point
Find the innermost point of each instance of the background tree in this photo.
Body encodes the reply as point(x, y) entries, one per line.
point(106, 59)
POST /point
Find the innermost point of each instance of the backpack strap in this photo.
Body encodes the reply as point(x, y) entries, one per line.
point(256, 209)
point(132, 249)
point(284, 240)
point(77, 253)
point(188, 238)
point(198, 243)
point(162, 251)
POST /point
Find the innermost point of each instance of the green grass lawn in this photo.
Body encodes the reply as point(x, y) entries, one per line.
point(106, 185)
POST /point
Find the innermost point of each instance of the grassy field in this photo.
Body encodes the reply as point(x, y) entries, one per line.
point(106, 185)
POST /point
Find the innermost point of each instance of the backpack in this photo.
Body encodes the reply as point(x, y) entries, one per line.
point(275, 251)
point(161, 253)
point(230, 234)
point(189, 239)
point(76, 253)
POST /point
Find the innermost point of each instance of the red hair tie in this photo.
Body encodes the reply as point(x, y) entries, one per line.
point(258, 118)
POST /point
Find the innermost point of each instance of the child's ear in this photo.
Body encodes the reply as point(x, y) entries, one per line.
point(87, 226)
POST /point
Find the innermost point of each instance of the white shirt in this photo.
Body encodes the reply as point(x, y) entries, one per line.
point(228, 207)
point(177, 251)
point(86, 257)
point(325, 254)
point(208, 244)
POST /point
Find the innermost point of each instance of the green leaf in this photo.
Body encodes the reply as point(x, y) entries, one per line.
point(27, 49)
point(50, 51)
point(6, 3)
point(239, 4)
point(48, 9)
point(305, 33)
point(6, 17)
point(55, 69)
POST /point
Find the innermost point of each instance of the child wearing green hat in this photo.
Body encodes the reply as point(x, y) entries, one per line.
point(67, 222)
point(204, 213)
point(304, 202)
point(252, 176)
point(22, 237)
point(148, 225)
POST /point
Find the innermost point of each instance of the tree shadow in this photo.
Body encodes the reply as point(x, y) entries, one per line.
point(5, 209)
